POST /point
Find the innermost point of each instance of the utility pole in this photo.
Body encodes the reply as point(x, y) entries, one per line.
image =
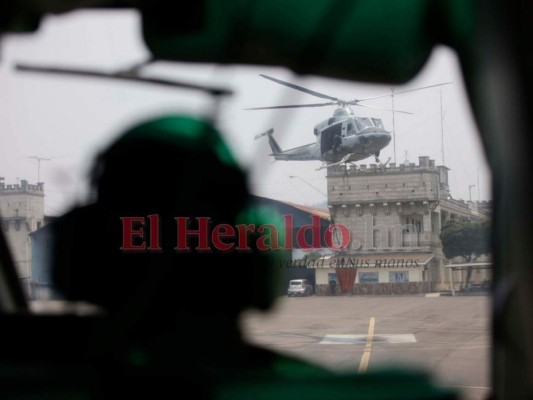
point(470, 190)
point(441, 127)
point(393, 125)
point(39, 159)
point(478, 187)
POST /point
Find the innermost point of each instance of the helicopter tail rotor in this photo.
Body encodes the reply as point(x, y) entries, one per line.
point(260, 135)
point(276, 149)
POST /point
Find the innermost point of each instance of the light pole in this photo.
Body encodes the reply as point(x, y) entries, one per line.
point(304, 181)
point(470, 190)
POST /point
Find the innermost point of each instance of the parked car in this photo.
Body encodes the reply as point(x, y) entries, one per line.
point(299, 287)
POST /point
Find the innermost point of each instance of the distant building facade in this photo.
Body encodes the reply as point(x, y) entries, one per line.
point(394, 214)
point(21, 212)
point(41, 283)
point(294, 262)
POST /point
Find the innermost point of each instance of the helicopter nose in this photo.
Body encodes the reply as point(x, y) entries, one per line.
point(383, 139)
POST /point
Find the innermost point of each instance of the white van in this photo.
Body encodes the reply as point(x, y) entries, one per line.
point(299, 287)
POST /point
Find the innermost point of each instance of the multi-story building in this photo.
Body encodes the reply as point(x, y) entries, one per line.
point(394, 215)
point(21, 212)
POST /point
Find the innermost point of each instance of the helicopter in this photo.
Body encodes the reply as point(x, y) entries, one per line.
point(340, 139)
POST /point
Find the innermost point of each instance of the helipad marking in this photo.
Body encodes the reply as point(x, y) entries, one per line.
point(362, 339)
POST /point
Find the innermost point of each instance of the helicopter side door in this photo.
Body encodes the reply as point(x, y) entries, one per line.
point(331, 138)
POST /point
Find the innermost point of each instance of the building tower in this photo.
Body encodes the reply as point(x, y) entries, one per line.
point(394, 214)
point(21, 212)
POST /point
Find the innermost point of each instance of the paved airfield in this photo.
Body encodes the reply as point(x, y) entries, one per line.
point(448, 336)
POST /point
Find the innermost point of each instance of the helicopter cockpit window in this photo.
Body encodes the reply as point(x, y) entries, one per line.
point(363, 123)
point(377, 122)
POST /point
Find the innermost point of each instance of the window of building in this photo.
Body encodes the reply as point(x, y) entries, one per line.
point(369, 277)
point(399, 276)
point(413, 225)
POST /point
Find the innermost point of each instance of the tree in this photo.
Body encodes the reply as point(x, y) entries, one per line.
point(467, 239)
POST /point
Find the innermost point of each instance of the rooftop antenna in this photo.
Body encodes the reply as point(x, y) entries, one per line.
point(392, 93)
point(39, 159)
point(406, 161)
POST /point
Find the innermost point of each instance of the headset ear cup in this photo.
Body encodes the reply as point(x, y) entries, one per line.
point(76, 267)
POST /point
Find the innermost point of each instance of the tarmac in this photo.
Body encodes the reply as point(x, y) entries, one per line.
point(448, 337)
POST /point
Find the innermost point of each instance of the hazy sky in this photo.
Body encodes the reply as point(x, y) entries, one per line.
point(70, 119)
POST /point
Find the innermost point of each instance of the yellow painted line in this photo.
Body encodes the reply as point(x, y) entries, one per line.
point(363, 365)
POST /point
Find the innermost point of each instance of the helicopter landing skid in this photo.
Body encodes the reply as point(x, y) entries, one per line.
point(345, 160)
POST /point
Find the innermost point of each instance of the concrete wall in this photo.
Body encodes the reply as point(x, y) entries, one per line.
point(407, 288)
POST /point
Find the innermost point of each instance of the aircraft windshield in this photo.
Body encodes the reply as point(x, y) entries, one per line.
point(377, 122)
point(363, 123)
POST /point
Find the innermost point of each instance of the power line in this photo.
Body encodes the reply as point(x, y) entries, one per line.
point(313, 186)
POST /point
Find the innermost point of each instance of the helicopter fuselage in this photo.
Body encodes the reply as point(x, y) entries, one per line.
point(337, 137)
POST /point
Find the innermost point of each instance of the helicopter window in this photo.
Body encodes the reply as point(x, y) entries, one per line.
point(377, 122)
point(350, 127)
point(363, 123)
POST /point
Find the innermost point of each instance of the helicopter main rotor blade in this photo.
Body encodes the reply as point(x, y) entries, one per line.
point(380, 108)
point(301, 89)
point(293, 106)
point(355, 101)
point(216, 91)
